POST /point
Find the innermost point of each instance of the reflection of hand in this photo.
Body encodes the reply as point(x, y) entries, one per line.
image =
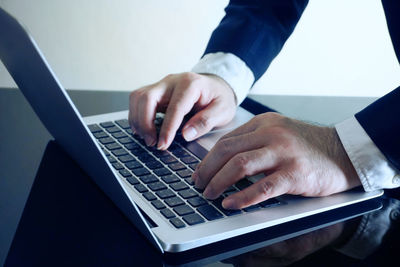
point(210, 97)
point(296, 158)
point(291, 250)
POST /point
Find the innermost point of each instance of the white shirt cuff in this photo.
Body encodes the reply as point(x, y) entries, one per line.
point(231, 69)
point(372, 167)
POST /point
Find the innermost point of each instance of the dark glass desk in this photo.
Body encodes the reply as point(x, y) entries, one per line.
point(67, 220)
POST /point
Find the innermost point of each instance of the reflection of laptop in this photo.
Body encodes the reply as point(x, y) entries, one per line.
point(152, 188)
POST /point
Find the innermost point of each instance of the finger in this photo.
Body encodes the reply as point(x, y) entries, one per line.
point(147, 108)
point(203, 121)
point(222, 152)
point(132, 110)
point(271, 186)
point(181, 103)
point(244, 164)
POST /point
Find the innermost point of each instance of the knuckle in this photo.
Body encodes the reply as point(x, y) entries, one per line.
point(224, 146)
point(169, 77)
point(265, 188)
point(204, 122)
point(243, 164)
point(188, 78)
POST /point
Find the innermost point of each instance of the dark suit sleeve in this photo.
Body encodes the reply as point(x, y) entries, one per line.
point(381, 121)
point(256, 30)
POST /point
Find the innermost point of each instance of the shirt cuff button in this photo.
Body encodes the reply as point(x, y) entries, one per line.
point(396, 179)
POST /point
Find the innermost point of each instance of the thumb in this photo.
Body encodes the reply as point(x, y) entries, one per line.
point(203, 121)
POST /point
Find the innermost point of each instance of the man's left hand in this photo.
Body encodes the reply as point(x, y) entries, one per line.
point(295, 157)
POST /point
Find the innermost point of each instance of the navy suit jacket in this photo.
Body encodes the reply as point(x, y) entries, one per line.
point(256, 30)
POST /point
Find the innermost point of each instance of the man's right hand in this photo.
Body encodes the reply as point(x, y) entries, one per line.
point(210, 97)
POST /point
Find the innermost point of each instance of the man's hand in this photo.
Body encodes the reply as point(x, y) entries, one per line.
point(208, 96)
point(295, 157)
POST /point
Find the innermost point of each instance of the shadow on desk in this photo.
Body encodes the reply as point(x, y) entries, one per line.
point(69, 221)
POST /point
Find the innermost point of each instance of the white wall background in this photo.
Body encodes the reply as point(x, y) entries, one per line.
point(340, 47)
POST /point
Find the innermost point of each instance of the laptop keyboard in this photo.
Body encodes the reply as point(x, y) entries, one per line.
point(163, 178)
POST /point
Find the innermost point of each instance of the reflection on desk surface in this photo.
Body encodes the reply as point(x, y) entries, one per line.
point(69, 221)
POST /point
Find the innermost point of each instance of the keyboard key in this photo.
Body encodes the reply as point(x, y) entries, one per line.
point(118, 166)
point(197, 201)
point(170, 178)
point(149, 196)
point(167, 213)
point(126, 158)
point(145, 157)
point(152, 165)
point(183, 210)
point(218, 203)
point(230, 189)
point(252, 208)
point(140, 171)
point(138, 151)
point(189, 160)
point(119, 135)
point(174, 201)
point(209, 212)
point(119, 152)
point(269, 203)
point(193, 166)
point(176, 166)
point(242, 184)
point(161, 153)
point(185, 173)
point(113, 129)
point(179, 186)
point(107, 124)
point(158, 204)
point(105, 151)
point(132, 180)
point(124, 124)
point(141, 188)
point(147, 179)
point(157, 186)
point(166, 193)
point(168, 159)
point(131, 146)
point(188, 193)
point(162, 171)
point(189, 181)
point(106, 140)
point(113, 146)
point(94, 128)
point(125, 173)
point(177, 223)
point(111, 159)
point(180, 152)
point(126, 140)
point(133, 165)
point(101, 134)
point(193, 219)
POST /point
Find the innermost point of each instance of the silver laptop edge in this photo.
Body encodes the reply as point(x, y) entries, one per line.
point(34, 77)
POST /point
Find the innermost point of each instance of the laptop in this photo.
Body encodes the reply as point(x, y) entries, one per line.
point(152, 188)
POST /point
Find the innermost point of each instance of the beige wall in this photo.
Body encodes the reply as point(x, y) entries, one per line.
point(340, 47)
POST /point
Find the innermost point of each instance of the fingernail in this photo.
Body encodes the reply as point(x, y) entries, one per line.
point(195, 176)
point(228, 204)
point(149, 140)
point(207, 193)
point(160, 144)
point(189, 133)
